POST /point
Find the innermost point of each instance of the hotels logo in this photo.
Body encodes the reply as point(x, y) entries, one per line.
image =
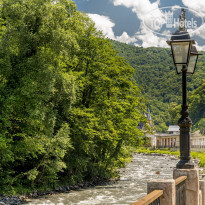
point(169, 19)
point(164, 21)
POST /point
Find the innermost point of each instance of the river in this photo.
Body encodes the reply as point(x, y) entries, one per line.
point(131, 186)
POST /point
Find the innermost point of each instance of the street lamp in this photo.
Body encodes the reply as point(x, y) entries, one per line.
point(185, 58)
point(193, 60)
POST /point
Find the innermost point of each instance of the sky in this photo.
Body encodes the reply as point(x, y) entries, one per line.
point(144, 22)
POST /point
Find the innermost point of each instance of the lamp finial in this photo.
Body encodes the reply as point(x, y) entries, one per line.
point(182, 20)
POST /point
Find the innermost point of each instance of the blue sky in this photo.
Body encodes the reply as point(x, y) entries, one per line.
point(125, 20)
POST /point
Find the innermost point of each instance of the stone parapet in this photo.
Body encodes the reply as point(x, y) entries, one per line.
point(168, 187)
point(192, 184)
point(202, 188)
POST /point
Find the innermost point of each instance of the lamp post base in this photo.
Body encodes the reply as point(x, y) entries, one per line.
point(185, 164)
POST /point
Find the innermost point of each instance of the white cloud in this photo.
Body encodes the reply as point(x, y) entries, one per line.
point(146, 13)
point(125, 38)
point(105, 24)
point(200, 48)
point(140, 7)
point(196, 5)
point(198, 32)
point(199, 7)
point(149, 39)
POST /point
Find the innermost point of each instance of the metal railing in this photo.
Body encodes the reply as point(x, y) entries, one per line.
point(152, 198)
point(180, 190)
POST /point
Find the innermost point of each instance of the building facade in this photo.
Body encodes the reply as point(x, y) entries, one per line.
point(197, 140)
point(170, 139)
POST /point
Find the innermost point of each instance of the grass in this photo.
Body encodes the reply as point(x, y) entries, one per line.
point(159, 151)
point(194, 155)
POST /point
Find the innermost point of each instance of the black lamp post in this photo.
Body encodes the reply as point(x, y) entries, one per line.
point(185, 58)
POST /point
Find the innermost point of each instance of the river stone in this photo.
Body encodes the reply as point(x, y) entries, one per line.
point(81, 185)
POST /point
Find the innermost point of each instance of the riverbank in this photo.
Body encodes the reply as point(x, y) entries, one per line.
point(17, 200)
point(158, 152)
point(197, 157)
point(128, 174)
point(131, 186)
point(157, 172)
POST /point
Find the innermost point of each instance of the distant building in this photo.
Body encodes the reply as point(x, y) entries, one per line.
point(149, 120)
point(173, 129)
point(151, 137)
point(172, 139)
point(168, 140)
point(197, 140)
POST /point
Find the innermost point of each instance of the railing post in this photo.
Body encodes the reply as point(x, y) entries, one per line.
point(191, 184)
point(200, 197)
point(202, 188)
point(180, 190)
point(168, 187)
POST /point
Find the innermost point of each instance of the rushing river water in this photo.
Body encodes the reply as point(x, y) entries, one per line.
point(131, 186)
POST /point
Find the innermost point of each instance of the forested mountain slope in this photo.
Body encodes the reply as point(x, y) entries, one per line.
point(156, 74)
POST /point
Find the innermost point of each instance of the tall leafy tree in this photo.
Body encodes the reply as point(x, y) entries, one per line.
point(108, 107)
point(69, 105)
point(36, 88)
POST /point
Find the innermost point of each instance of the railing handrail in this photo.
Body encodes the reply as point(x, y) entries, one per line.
point(180, 180)
point(149, 198)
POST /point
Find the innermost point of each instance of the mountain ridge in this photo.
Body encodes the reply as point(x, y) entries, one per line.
point(156, 75)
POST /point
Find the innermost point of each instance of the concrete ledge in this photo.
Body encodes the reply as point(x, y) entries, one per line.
point(168, 187)
point(202, 188)
point(192, 184)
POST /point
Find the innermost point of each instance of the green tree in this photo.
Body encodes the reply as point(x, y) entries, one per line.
point(201, 126)
point(197, 107)
point(70, 107)
point(174, 112)
point(109, 107)
point(36, 88)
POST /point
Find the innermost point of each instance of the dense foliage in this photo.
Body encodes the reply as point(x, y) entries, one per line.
point(197, 108)
point(156, 74)
point(69, 104)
